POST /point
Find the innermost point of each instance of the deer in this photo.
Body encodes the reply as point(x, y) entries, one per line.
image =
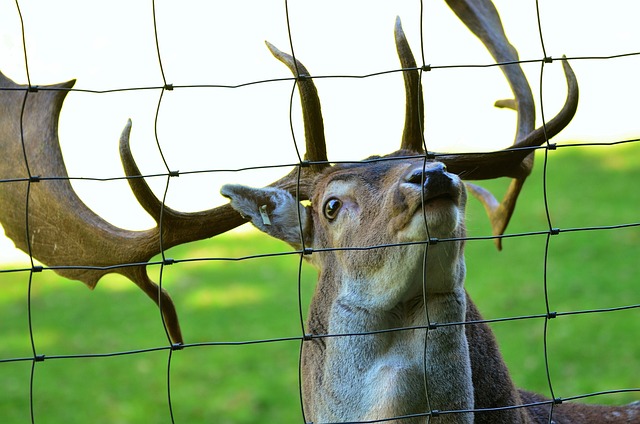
point(392, 334)
point(387, 339)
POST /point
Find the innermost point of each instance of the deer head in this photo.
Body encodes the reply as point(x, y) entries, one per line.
point(366, 226)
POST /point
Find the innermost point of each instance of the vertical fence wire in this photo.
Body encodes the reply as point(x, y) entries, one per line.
point(304, 337)
point(547, 212)
point(36, 357)
point(161, 221)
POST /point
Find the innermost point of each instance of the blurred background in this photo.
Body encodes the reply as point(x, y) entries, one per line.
point(112, 46)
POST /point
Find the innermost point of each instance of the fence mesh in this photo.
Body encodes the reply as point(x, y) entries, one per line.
point(164, 360)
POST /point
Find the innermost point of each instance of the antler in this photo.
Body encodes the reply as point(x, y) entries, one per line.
point(59, 230)
point(311, 109)
point(482, 18)
point(414, 105)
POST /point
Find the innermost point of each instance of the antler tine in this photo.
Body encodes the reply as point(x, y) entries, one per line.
point(414, 110)
point(311, 109)
point(178, 227)
point(482, 18)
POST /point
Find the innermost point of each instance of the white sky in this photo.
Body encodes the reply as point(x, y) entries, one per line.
point(110, 45)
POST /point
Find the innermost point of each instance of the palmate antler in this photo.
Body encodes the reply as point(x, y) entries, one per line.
point(63, 232)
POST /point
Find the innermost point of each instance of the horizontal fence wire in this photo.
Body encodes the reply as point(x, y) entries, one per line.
point(39, 356)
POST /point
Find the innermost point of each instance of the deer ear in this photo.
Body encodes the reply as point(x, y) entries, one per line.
point(271, 210)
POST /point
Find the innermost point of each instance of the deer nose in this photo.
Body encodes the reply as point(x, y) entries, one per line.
point(421, 174)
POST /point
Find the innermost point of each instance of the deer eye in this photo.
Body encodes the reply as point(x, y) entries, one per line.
point(331, 208)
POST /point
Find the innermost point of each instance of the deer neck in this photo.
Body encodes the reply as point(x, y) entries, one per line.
point(382, 375)
point(393, 297)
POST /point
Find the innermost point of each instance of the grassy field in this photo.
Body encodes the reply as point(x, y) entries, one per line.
point(258, 299)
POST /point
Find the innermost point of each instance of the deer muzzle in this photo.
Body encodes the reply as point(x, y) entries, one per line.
point(435, 183)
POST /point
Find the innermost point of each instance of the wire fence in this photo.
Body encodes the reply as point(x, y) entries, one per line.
point(39, 359)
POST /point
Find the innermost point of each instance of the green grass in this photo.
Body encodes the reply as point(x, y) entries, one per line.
point(257, 299)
